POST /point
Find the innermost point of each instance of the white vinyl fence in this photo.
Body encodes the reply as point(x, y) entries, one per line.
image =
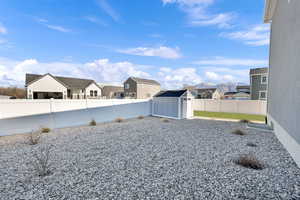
point(24, 107)
point(231, 106)
point(37, 114)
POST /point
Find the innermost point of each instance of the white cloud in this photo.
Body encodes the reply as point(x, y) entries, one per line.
point(104, 5)
point(232, 62)
point(258, 35)
point(101, 70)
point(176, 78)
point(225, 74)
point(3, 30)
point(198, 15)
point(58, 28)
point(95, 20)
point(162, 51)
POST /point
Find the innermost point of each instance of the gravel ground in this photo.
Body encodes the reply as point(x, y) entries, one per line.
point(149, 159)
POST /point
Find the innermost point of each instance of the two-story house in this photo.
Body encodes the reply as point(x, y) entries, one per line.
point(138, 88)
point(259, 83)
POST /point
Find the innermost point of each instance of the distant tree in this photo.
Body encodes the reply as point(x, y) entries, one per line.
point(18, 93)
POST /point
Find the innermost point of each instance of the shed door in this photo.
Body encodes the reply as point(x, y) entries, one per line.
point(165, 107)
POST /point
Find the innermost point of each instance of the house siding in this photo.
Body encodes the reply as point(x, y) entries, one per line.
point(145, 91)
point(284, 75)
point(132, 88)
point(257, 86)
point(46, 84)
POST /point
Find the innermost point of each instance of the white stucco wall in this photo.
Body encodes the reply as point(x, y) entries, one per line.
point(46, 84)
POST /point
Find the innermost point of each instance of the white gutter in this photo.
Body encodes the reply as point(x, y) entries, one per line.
point(270, 8)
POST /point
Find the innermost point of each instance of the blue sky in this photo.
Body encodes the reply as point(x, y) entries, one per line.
point(173, 41)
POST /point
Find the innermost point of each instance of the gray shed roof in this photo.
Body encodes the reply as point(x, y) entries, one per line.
point(259, 70)
point(170, 93)
point(145, 81)
point(71, 83)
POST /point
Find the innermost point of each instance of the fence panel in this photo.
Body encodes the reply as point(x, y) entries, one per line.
point(231, 106)
point(77, 117)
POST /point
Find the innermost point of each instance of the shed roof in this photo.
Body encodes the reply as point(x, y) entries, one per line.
point(71, 83)
point(170, 93)
point(145, 81)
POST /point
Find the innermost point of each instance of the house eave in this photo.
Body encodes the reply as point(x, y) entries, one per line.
point(270, 8)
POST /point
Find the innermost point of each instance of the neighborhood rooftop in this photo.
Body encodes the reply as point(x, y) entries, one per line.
point(77, 83)
point(263, 70)
point(145, 81)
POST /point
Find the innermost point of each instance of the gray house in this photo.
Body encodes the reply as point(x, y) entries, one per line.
point(138, 88)
point(259, 83)
point(284, 76)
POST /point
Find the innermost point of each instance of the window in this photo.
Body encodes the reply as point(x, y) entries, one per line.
point(262, 95)
point(127, 86)
point(95, 93)
point(264, 79)
point(91, 93)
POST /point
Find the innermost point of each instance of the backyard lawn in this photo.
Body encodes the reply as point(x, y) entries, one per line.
point(229, 115)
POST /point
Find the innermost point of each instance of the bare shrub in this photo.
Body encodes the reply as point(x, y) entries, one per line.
point(249, 161)
point(119, 120)
point(165, 120)
point(41, 161)
point(141, 117)
point(238, 132)
point(251, 144)
point(244, 121)
point(93, 122)
point(34, 137)
point(45, 130)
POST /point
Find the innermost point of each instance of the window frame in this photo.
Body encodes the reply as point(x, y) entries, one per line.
point(262, 78)
point(91, 93)
point(260, 92)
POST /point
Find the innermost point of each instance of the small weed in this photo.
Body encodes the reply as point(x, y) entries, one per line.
point(250, 144)
point(45, 130)
point(93, 122)
point(119, 120)
point(34, 138)
point(244, 121)
point(41, 161)
point(165, 120)
point(238, 132)
point(249, 161)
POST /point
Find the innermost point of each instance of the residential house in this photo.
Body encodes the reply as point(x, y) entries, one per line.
point(258, 83)
point(239, 95)
point(113, 91)
point(48, 86)
point(208, 93)
point(283, 112)
point(138, 88)
point(243, 88)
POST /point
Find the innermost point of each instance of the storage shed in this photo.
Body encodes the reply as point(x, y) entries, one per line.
point(176, 104)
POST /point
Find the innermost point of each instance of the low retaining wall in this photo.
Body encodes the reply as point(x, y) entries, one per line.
point(24, 107)
point(78, 117)
point(231, 106)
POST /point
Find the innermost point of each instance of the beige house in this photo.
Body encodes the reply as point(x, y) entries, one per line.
point(48, 86)
point(138, 88)
point(208, 93)
point(113, 92)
